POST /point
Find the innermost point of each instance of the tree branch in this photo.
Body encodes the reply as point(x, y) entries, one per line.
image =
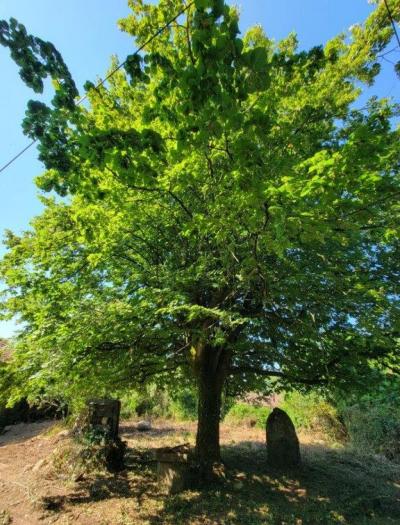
point(179, 201)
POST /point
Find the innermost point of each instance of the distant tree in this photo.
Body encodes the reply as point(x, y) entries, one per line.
point(230, 217)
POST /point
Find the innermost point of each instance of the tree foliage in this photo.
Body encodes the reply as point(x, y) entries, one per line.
point(228, 211)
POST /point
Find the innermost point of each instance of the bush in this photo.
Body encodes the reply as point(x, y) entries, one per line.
point(309, 412)
point(314, 413)
point(250, 415)
point(183, 405)
point(372, 416)
point(23, 412)
point(375, 428)
point(151, 401)
point(156, 402)
point(129, 405)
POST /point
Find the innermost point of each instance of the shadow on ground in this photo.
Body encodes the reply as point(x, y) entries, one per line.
point(131, 431)
point(331, 487)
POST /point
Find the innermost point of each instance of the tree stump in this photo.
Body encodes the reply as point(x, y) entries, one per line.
point(282, 443)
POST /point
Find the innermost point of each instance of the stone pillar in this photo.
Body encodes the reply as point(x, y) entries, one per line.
point(104, 414)
point(282, 443)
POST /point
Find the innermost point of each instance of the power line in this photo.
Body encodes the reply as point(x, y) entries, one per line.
point(155, 35)
point(392, 21)
point(102, 82)
point(18, 155)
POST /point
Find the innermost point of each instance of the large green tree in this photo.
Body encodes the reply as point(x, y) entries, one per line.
point(228, 214)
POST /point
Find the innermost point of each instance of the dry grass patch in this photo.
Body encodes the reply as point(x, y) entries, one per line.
point(333, 486)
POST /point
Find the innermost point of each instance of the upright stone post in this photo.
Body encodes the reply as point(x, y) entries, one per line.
point(283, 448)
point(103, 415)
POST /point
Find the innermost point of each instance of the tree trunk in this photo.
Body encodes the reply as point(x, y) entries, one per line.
point(211, 369)
point(207, 439)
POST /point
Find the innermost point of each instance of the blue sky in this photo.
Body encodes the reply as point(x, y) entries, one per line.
point(86, 34)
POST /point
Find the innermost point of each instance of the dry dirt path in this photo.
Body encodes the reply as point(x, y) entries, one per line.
point(22, 449)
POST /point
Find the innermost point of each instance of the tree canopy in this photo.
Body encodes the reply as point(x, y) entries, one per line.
point(226, 213)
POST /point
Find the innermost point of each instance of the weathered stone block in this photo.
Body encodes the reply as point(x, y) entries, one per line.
point(174, 470)
point(104, 414)
point(283, 448)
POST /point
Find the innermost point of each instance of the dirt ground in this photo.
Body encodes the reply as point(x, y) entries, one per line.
point(22, 448)
point(331, 487)
point(25, 448)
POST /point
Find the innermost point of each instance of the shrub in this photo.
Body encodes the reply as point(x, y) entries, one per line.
point(310, 412)
point(375, 428)
point(151, 401)
point(307, 411)
point(250, 415)
point(183, 405)
point(314, 413)
point(129, 403)
point(156, 402)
